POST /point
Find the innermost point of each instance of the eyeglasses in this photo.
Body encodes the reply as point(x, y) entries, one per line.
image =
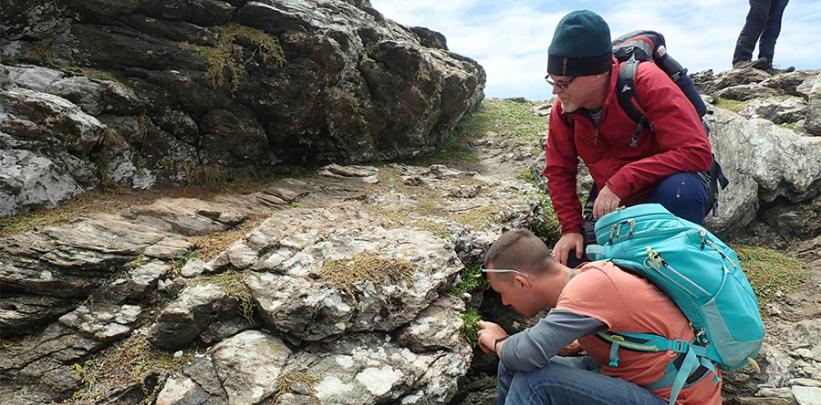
point(484, 270)
point(562, 84)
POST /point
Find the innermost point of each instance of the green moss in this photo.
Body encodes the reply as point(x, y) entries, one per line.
point(472, 281)
point(469, 331)
point(527, 175)
point(727, 104)
point(223, 60)
point(788, 125)
point(296, 382)
point(345, 273)
point(548, 229)
point(479, 218)
point(770, 272)
point(41, 53)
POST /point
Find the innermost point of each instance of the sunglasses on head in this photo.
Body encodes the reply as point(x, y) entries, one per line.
point(562, 84)
point(486, 270)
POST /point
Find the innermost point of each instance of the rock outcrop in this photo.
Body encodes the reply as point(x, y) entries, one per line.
point(335, 290)
point(143, 93)
point(760, 136)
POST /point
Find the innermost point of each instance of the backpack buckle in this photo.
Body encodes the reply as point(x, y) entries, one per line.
point(679, 346)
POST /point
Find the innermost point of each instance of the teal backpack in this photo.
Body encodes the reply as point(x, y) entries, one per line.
point(700, 274)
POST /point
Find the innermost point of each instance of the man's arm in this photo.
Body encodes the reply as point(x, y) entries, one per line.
point(681, 139)
point(561, 165)
point(532, 348)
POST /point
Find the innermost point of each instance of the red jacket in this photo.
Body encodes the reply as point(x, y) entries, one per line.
point(677, 144)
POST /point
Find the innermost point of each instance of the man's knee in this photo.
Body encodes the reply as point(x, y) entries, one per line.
point(684, 195)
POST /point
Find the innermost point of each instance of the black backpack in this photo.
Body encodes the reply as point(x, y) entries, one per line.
point(642, 46)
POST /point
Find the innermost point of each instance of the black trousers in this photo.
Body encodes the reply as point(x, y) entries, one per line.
point(763, 25)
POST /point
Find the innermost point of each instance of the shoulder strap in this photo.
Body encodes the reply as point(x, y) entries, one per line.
point(628, 98)
point(627, 90)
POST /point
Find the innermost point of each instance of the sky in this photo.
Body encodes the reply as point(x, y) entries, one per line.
point(509, 38)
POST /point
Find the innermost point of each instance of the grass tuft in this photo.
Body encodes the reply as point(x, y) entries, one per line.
point(233, 284)
point(128, 361)
point(224, 61)
point(727, 104)
point(770, 272)
point(295, 381)
point(345, 273)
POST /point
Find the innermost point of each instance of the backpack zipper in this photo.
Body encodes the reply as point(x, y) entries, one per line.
point(656, 262)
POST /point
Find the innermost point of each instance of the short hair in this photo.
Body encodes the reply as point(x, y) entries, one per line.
point(520, 250)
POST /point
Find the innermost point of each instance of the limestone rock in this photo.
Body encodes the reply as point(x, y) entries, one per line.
point(813, 123)
point(763, 162)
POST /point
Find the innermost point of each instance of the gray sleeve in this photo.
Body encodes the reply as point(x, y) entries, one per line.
point(533, 347)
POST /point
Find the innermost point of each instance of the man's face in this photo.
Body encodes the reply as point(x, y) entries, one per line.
point(515, 291)
point(573, 91)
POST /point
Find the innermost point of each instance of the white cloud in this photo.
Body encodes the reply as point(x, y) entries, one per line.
point(510, 38)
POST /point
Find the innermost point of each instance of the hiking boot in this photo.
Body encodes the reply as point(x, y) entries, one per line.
point(761, 63)
point(775, 70)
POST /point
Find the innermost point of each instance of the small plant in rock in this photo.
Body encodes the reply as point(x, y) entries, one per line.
point(137, 262)
point(472, 281)
point(469, 331)
point(233, 285)
point(293, 381)
point(223, 59)
point(178, 263)
point(527, 175)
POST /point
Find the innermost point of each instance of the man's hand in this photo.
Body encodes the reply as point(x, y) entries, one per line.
point(488, 333)
point(573, 348)
point(566, 243)
point(606, 202)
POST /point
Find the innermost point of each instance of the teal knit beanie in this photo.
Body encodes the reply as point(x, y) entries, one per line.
point(581, 46)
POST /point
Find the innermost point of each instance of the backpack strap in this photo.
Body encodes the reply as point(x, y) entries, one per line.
point(689, 367)
point(629, 99)
point(631, 104)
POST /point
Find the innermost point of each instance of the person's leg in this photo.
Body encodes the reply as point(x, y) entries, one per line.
point(754, 25)
point(503, 379)
point(683, 194)
point(568, 381)
point(766, 46)
point(504, 376)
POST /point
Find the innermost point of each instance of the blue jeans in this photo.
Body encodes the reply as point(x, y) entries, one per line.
point(569, 380)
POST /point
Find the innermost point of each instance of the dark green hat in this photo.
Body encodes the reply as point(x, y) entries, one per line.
point(581, 46)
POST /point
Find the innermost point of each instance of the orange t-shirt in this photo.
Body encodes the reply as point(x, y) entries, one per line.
point(628, 303)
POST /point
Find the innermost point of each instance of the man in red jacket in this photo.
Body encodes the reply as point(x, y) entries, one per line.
point(587, 122)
